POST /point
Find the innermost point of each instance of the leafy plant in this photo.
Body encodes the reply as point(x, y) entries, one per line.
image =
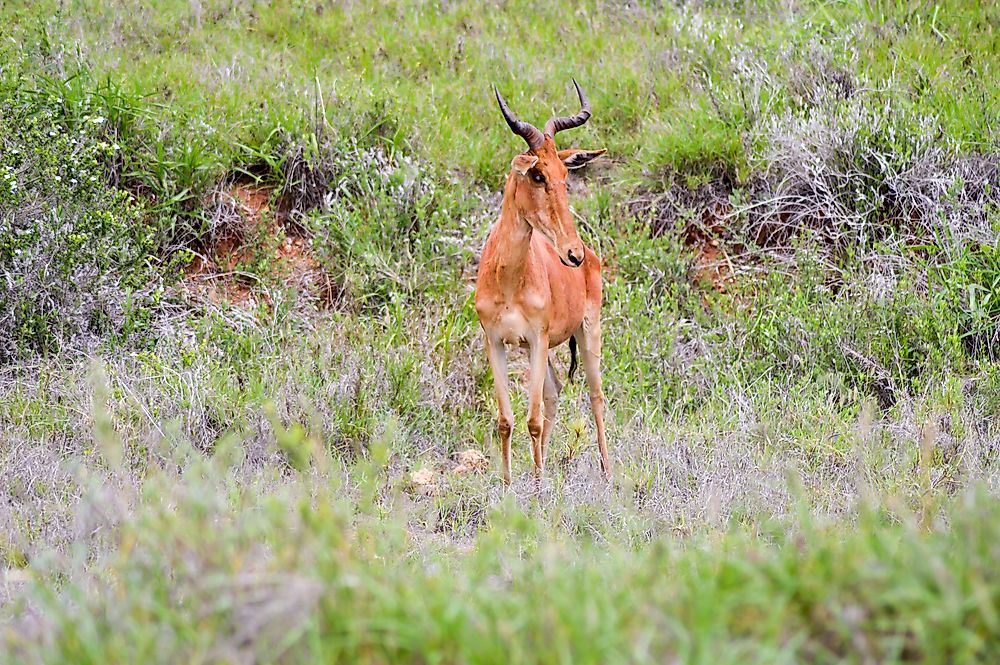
point(75, 253)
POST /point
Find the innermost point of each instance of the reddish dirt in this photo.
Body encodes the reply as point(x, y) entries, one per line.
point(246, 227)
point(712, 267)
point(706, 233)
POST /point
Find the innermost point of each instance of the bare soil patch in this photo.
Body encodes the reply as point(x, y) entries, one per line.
point(249, 226)
point(701, 217)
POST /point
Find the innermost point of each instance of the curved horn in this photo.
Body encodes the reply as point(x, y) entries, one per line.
point(569, 122)
point(525, 130)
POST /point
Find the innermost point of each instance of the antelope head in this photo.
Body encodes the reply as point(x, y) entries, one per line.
point(537, 182)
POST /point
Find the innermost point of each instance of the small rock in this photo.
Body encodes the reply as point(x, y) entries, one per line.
point(470, 461)
point(423, 480)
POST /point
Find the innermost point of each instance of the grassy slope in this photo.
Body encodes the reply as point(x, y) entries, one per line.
point(734, 416)
point(662, 80)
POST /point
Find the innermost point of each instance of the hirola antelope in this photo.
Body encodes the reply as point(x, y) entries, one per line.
point(539, 286)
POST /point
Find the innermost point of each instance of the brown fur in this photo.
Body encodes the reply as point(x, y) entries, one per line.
point(529, 293)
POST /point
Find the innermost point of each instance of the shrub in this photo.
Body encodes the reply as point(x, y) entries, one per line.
point(74, 250)
point(386, 226)
point(969, 285)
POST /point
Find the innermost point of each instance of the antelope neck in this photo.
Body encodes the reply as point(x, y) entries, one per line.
point(513, 242)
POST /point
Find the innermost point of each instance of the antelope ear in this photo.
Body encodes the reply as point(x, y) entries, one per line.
point(574, 159)
point(522, 163)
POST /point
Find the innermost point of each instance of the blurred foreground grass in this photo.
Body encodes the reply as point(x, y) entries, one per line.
point(212, 562)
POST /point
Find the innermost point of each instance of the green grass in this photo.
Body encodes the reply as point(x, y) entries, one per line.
point(805, 463)
point(326, 568)
point(668, 85)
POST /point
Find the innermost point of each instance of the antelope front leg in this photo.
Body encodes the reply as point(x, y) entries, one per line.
point(505, 417)
point(539, 351)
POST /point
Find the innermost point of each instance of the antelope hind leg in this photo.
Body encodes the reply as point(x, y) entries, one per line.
point(550, 395)
point(589, 340)
point(539, 353)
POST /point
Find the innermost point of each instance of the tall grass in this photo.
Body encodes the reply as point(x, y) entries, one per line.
point(214, 561)
point(665, 80)
point(804, 444)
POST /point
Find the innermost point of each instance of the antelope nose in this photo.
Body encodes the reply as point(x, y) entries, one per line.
point(573, 258)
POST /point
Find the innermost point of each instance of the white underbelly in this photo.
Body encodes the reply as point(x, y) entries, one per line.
point(512, 328)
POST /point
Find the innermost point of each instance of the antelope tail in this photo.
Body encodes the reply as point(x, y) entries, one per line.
point(572, 357)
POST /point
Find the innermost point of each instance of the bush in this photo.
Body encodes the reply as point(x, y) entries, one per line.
point(74, 251)
point(969, 285)
point(385, 225)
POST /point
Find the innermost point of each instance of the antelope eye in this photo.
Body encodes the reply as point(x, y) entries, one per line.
point(537, 177)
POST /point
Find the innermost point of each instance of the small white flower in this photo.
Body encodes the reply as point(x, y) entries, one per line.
point(99, 120)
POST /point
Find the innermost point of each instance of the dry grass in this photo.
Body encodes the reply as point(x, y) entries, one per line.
point(802, 288)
